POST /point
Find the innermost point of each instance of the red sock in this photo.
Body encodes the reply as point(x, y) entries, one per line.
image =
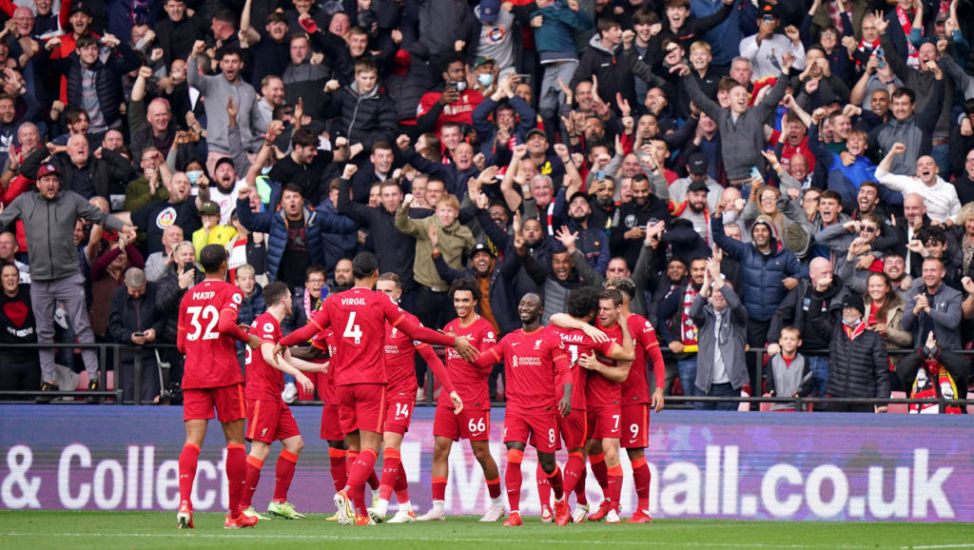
point(188, 458)
point(641, 478)
point(513, 478)
point(391, 468)
point(286, 463)
point(614, 487)
point(363, 465)
point(574, 473)
point(251, 479)
point(581, 496)
point(544, 489)
point(494, 487)
point(236, 467)
point(402, 486)
point(339, 470)
point(557, 485)
point(598, 468)
point(439, 488)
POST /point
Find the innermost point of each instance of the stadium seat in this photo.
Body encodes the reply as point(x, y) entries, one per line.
point(898, 408)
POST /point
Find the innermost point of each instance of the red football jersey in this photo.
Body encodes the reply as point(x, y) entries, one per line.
point(358, 316)
point(400, 359)
point(577, 344)
point(326, 380)
point(470, 381)
point(636, 387)
point(600, 391)
point(264, 381)
point(534, 364)
point(211, 357)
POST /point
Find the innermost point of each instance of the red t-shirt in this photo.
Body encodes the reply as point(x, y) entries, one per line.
point(264, 381)
point(470, 381)
point(599, 390)
point(326, 381)
point(400, 359)
point(577, 344)
point(535, 363)
point(211, 357)
point(460, 111)
point(636, 387)
point(358, 317)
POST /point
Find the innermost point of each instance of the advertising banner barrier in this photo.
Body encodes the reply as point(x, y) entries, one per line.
point(788, 466)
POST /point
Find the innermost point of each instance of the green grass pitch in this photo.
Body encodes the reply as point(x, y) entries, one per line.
point(139, 530)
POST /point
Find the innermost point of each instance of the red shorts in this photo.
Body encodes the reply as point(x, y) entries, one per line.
point(635, 426)
point(270, 420)
point(605, 422)
point(198, 403)
point(361, 407)
point(542, 428)
point(574, 429)
point(331, 426)
point(470, 424)
point(399, 412)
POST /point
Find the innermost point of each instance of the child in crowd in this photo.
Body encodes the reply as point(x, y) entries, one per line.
point(791, 375)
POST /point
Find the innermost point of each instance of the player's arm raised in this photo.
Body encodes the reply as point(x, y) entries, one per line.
point(320, 321)
point(564, 320)
point(416, 331)
point(441, 374)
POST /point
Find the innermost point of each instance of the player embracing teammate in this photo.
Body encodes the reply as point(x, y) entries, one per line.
point(358, 317)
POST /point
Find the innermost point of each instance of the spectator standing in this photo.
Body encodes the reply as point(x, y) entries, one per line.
point(857, 357)
point(722, 320)
point(933, 306)
point(790, 374)
point(49, 217)
point(134, 320)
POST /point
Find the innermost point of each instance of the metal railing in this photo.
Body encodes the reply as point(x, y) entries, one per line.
point(114, 351)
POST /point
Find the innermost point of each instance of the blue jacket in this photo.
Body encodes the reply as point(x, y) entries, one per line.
point(252, 306)
point(762, 275)
point(555, 39)
point(274, 224)
point(339, 234)
point(487, 130)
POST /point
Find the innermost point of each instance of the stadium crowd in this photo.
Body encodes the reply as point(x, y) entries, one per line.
point(782, 174)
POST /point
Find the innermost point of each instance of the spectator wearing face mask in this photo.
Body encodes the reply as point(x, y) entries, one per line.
point(857, 357)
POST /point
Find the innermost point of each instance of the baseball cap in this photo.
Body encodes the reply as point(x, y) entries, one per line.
point(576, 195)
point(483, 60)
point(223, 160)
point(480, 247)
point(47, 170)
point(80, 8)
point(209, 208)
point(767, 11)
point(535, 132)
point(697, 164)
point(698, 186)
point(489, 11)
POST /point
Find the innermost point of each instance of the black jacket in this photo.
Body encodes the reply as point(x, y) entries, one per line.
point(794, 308)
point(100, 177)
point(857, 368)
point(631, 215)
point(168, 296)
point(108, 79)
point(394, 249)
point(127, 315)
point(362, 118)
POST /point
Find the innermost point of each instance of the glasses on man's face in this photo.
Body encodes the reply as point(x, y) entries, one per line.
point(770, 198)
point(868, 229)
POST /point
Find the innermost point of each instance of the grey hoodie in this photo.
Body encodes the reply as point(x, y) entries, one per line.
point(49, 225)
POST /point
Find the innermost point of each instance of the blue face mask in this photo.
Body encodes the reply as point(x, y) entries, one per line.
point(265, 170)
point(486, 79)
point(194, 175)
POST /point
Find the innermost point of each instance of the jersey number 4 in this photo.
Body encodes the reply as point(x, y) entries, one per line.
point(352, 330)
point(199, 315)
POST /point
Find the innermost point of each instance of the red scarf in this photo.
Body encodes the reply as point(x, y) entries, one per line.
point(854, 333)
point(912, 57)
point(866, 47)
point(688, 331)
